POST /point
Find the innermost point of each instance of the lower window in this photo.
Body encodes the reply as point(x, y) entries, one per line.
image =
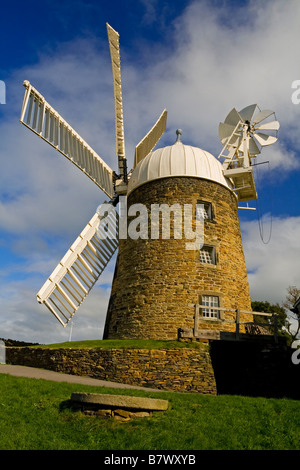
point(210, 301)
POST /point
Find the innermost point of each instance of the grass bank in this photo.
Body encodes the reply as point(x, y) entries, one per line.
point(35, 416)
point(122, 343)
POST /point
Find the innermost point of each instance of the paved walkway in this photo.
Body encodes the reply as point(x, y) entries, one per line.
point(31, 372)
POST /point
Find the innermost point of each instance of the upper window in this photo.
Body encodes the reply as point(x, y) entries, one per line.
point(208, 254)
point(210, 301)
point(204, 210)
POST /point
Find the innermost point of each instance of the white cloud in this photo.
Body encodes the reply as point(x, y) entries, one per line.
point(272, 266)
point(150, 14)
point(280, 158)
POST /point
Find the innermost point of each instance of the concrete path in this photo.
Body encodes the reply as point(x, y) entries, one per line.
point(31, 372)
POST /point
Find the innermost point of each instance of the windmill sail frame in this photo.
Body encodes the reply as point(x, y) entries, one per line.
point(147, 144)
point(78, 271)
point(39, 116)
point(114, 47)
point(238, 134)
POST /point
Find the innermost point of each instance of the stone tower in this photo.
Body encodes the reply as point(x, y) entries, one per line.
point(156, 280)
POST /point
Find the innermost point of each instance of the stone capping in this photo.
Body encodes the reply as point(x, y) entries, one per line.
point(121, 401)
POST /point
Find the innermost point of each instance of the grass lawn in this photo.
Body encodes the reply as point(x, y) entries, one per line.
point(34, 415)
point(122, 343)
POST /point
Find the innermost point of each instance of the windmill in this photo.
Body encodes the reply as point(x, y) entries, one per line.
point(243, 134)
point(84, 262)
point(150, 296)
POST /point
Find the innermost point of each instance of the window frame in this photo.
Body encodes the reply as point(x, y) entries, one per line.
point(210, 212)
point(214, 315)
point(212, 253)
point(213, 293)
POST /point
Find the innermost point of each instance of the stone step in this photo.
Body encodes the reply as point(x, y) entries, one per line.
point(120, 401)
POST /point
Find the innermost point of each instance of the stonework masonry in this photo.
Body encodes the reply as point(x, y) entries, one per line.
point(180, 370)
point(156, 280)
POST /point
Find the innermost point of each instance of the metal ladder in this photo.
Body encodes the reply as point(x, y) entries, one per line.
point(232, 149)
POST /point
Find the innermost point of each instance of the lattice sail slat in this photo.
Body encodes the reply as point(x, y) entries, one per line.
point(44, 121)
point(150, 140)
point(114, 47)
point(80, 268)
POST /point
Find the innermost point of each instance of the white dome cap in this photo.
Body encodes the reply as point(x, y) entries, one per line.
point(178, 160)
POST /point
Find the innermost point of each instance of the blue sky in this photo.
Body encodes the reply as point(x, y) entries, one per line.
point(198, 59)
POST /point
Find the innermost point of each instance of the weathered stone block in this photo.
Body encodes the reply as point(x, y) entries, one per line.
point(122, 401)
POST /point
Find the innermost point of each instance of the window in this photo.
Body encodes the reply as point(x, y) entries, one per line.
point(210, 301)
point(208, 254)
point(204, 210)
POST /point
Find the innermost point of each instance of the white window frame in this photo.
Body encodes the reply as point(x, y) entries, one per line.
point(210, 301)
point(208, 255)
point(207, 211)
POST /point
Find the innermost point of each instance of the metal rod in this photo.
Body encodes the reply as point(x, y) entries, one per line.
point(261, 163)
point(248, 208)
point(237, 328)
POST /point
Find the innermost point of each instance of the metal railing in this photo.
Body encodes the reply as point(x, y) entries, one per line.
point(237, 321)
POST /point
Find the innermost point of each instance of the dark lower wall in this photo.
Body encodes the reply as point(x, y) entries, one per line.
point(181, 370)
point(255, 369)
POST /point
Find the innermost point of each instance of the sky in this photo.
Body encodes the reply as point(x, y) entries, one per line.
point(198, 59)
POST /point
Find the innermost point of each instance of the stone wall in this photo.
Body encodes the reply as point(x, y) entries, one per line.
point(156, 280)
point(181, 370)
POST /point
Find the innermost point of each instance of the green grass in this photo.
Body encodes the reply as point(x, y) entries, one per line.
point(34, 415)
point(123, 343)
